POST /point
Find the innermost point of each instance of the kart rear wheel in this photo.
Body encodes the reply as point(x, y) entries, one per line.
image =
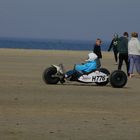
point(105, 71)
point(118, 79)
point(48, 76)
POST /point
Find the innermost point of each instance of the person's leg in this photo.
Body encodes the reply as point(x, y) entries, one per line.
point(126, 62)
point(67, 75)
point(70, 73)
point(131, 65)
point(120, 61)
point(98, 63)
point(116, 56)
point(137, 63)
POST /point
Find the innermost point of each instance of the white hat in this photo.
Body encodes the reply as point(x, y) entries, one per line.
point(91, 57)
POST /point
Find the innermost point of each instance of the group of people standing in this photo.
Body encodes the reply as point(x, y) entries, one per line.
point(127, 50)
point(124, 50)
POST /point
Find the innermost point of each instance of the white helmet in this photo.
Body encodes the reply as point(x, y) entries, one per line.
point(91, 57)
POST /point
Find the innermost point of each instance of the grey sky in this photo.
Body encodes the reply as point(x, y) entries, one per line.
point(68, 19)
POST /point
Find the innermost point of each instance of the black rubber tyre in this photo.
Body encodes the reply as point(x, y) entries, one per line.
point(47, 76)
point(118, 79)
point(104, 70)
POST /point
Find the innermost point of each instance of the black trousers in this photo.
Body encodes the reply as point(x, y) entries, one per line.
point(116, 55)
point(123, 57)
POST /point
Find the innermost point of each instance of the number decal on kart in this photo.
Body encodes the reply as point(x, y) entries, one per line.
point(98, 78)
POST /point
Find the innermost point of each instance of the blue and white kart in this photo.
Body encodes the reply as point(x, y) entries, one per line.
point(101, 76)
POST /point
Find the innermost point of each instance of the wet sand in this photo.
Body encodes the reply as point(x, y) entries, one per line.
point(32, 110)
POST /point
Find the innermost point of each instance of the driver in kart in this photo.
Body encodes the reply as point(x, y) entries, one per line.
point(92, 63)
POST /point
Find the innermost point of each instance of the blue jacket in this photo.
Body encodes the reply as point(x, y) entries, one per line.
point(87, 67)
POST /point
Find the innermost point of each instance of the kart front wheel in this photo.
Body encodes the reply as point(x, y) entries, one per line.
point(48, 76)
point(118, 79)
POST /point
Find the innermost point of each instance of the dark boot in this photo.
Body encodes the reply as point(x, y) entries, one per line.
point(62, 80)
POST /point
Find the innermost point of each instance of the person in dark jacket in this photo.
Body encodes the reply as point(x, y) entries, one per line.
point(123, 51)
point(113, 45)
point(97, 50)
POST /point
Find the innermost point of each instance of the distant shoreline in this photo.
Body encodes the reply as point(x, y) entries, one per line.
point(50, 44)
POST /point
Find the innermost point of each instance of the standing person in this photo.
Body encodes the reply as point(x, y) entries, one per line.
point(97, 50)
point(123, 51)
point(114, 44)
point(134, 54)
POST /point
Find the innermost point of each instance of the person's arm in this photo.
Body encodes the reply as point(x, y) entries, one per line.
point(96, 50)
point(101, 55)
point(129, 45)
point(99, 52)
point(111, 45)
point(138, 46)
point(119, 44)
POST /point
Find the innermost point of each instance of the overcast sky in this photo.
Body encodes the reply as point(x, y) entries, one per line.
point(68, 19)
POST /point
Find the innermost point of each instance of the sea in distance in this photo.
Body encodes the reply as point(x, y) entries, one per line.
point(50, 44)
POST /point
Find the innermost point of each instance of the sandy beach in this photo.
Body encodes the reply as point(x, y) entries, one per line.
point(32, 110)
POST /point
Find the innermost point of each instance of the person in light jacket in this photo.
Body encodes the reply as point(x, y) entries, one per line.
point(134, 54)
